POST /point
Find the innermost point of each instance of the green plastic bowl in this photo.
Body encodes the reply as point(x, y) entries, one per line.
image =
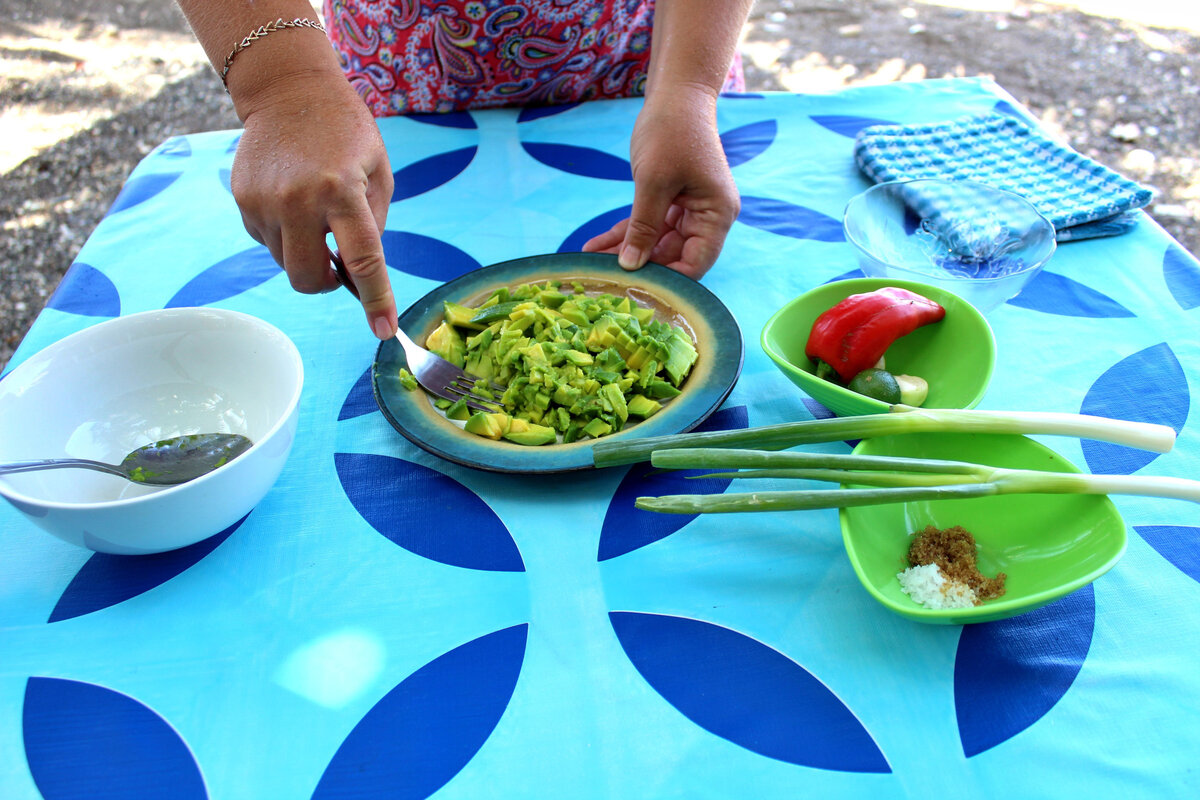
point(955, 356)
point(1048, 545)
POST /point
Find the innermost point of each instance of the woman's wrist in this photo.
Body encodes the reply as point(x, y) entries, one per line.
point(268, 72)
point(258, 47)
point(684, 102)
point(262, 32)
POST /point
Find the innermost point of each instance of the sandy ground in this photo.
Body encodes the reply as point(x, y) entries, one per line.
point(89, 87)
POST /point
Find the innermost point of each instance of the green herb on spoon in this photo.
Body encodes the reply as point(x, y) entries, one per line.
point(163, 463)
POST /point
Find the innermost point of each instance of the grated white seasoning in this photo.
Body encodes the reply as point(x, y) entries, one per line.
point(928, 586)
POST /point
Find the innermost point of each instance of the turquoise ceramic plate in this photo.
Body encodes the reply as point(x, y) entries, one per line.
point(679, 299)
point(1048, 545)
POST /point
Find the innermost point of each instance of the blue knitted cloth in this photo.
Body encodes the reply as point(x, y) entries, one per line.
point(1081, 197)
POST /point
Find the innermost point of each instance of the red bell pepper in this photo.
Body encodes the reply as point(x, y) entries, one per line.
point(851, 336)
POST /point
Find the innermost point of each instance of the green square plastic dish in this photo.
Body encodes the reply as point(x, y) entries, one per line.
point(1048, 545)
point(955, 356)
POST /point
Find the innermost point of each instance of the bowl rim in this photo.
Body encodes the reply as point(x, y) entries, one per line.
point(865, 284)
point(50, 350)
point(1031, 269)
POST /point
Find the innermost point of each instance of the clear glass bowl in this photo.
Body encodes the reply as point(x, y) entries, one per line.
point(982, 243)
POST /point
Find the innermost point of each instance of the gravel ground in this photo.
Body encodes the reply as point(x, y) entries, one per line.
point(89, 87)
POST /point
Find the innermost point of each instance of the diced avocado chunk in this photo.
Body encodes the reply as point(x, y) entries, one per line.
point(574, 312)
point(579, 358)
point(480, 364)
point(597, 428)
point(603, 335)
point(448, 343)
point(483, 339)
point(660, 390)
point(501, 295)
point(641, 406)
point(458, 410)
point(681, 355)
point(551, 298)
point(407, 379)
point(611, 395)
point(460, 316)
point(493, 425)
point(493, 313)
point(575, 365)
point(532, 434)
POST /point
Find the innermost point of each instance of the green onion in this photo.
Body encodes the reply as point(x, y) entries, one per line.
point(898, 480)
point(902, 419)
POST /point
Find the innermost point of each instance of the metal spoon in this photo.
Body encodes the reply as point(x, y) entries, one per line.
point(166, 463)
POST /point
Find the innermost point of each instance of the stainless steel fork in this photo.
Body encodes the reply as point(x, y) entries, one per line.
point(436, 375)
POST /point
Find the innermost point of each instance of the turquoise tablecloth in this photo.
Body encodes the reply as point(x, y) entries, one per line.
point(597, 652)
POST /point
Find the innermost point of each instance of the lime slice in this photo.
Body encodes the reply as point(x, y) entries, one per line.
point(877, 383)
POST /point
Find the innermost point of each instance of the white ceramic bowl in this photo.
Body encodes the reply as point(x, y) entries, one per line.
point(133, 380)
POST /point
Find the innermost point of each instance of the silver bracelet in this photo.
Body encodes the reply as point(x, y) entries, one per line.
point(260, 32)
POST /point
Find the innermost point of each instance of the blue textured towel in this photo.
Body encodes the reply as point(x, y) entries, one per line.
point(1081, 197)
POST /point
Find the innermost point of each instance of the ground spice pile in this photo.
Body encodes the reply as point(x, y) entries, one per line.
point(953, 551)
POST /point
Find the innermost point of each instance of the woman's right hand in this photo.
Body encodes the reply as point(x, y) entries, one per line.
point(310, 162)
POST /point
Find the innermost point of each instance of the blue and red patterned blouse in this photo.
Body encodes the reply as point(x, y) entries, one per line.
point(415, 56)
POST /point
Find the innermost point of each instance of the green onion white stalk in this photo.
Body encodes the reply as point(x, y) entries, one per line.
point(902, 419)
point(895, 480)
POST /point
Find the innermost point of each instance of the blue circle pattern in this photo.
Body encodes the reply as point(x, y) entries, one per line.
point(231, 276)
point(1182, 274)
point(105, 579)
point(140, 188)
point(1162, 397)
point(430, 173)
point(413, 506)
point(770, 704)
point(425, 256)
point(1007, 674)
point(426, 729)
point(626, 528)
point(87, 291)
point(104, 760)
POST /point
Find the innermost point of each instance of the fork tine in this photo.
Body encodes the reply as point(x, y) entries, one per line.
point(443, 379)
point(474, 406)
point(470, 380)
point(437, 375)
point(475, 401)
point(452, 393)
point(468, 383)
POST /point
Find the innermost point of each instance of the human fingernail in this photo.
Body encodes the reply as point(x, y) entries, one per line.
point(383, 328)
point(630, 257)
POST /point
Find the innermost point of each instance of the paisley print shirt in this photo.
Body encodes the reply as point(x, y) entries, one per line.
point(410, 56)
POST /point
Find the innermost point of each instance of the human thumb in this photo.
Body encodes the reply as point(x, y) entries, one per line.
point(646, 223)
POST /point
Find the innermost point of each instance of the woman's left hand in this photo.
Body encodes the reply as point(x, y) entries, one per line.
point(685, 199)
